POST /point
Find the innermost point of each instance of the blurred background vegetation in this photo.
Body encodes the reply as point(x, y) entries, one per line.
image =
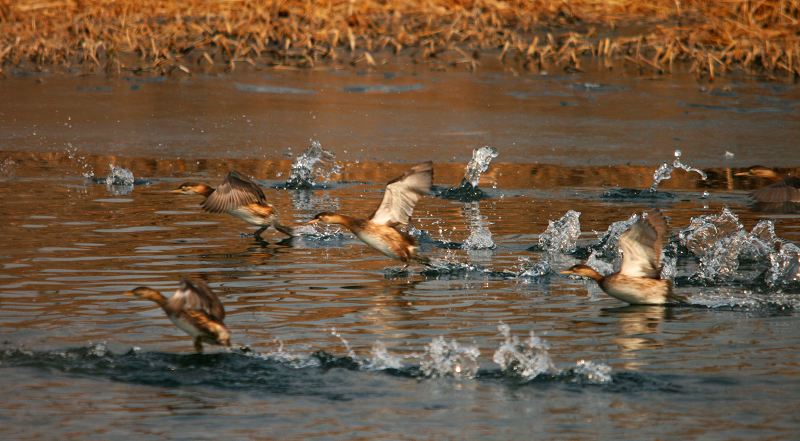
point(181, 37)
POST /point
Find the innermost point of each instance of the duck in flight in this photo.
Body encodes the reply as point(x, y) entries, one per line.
point(239, 197)
point(382, 229)
point(194, 309)
point(782, 190)
point(638, 281)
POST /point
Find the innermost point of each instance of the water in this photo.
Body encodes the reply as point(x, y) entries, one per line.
point(468, 189)
point(315, 162)
point(490, 343)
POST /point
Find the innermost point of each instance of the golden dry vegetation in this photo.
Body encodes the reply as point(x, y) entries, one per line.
point(181, 37)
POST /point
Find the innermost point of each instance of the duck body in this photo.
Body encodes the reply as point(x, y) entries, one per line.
point(381, 230)
point(240, 198)
point(194, 309)
point(781, 190)
point(389, 240)
point(639, 291)
point(638, 281)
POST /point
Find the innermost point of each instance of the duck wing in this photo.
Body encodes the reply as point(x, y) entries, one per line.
point(236, 191)
point(197, 297)
point(641, 247)
point(785, 190)
point(402, 194)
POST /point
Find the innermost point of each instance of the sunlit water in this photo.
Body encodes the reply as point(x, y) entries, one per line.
point(334, 341)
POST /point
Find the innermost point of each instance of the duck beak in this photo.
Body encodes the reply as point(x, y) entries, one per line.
point(313, 222)
point(177, 191)
point(566, 272)
point(128, 293)
point(744, 173)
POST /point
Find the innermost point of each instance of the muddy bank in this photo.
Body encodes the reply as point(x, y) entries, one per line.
point(182, 38)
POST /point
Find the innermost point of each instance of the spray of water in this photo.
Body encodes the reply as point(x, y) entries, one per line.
point(562, 234)
point(664, 172)
point(527, 359)
point(314, 163)
point(480, 238)
point(468, 189)
point(481, 158)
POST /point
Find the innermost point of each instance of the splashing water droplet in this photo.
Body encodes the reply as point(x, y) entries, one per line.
point(448, 358)
point(119, 180)
point(562, 235)
point(784, 266)
point(664, 171)
point(313, 163)
point(527, 359)
point(481, 158)
point(480, 238)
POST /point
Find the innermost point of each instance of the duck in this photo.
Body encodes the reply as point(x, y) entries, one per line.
point(194, 309)
point(638, 282)
point(240, 197)
point(381, 230)
point(782, 190)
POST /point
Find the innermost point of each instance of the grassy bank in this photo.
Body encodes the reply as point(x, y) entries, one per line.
point(181, 37)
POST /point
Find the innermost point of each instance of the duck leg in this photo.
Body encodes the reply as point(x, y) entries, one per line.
point(258, 232)
point(198, 345)
point(283, 229)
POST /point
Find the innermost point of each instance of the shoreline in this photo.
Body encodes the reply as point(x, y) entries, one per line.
point(708, 39)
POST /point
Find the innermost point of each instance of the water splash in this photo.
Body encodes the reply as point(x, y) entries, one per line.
point(119, 181)
point(314, 163)
point(703, 231)
point(661, 174)
point(73, 154)
point(784, 266)
point(562, 235)
point(468, 189)
point(350, 352)
point(444, 358)
point(526, 360)
point(664, 172)
point(608, 244)
point(481, 158)
point(480, 238)
point(529, 269)
point(592, 372)
point(380, 359)
point(721, 243)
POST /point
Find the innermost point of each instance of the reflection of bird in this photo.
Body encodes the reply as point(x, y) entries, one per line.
point(782, 190)
point(381, 231)
point(638, 281)
point(239, 197)
point(194, 309)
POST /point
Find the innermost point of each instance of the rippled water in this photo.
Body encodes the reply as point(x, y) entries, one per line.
point(338, 343)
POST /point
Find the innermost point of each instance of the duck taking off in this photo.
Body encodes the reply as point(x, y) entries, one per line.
point(194, 309)
point(382, 229)
point(239, 197)
point(782, 190)
point(638, 281)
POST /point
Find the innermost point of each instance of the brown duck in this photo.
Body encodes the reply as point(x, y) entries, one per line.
point(194, 309)
point(382, 229)
point(783, 189)
point(638, 281)
point(239, 197)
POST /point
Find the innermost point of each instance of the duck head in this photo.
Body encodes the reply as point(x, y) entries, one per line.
point(194, 188)
point(583, 271)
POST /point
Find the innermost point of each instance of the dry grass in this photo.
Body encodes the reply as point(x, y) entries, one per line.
point(711, 37)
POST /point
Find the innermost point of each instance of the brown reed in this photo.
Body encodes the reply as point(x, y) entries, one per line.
point(180, 37)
